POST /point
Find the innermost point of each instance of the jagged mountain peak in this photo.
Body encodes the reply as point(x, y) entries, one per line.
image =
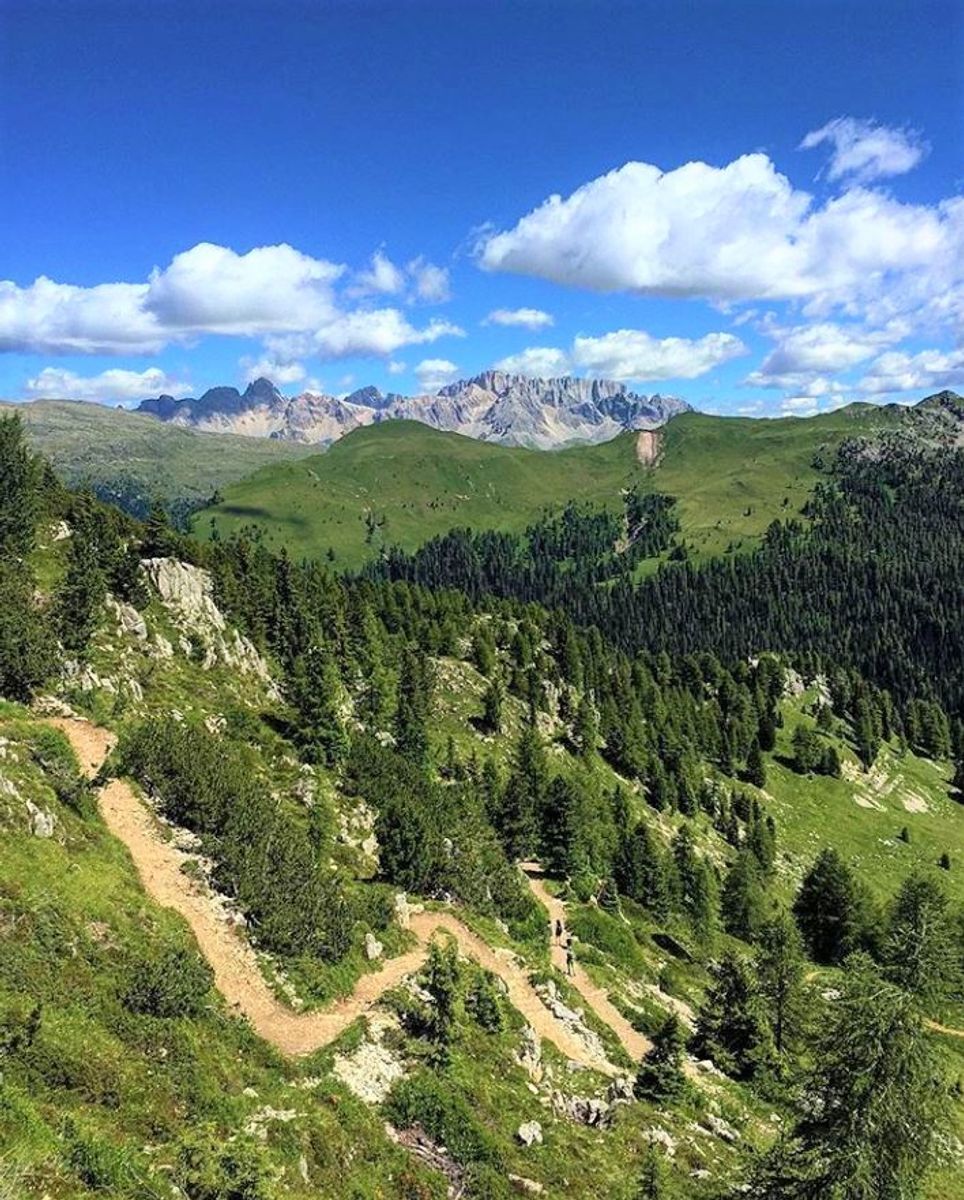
point(492, 406)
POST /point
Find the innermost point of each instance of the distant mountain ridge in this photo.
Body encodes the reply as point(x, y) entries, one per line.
point(495, 406)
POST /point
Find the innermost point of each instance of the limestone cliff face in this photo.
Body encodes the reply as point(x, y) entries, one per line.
point(494, 406)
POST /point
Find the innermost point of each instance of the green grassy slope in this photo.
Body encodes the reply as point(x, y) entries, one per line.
point(133, 452)
point(731, 476)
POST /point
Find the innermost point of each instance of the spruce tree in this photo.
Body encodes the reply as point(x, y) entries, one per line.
point(755, 767)
point(20, 489)
point(411, 713)
point(317, 694)
point(918, 951)
point(492, 707)
point(523, 796)
point(780, 967)
point(878, 1107)
point(831, 909)
point(731, 1026)
point(651, 1185)
point(660, 1077)
point(641, 871)
point(82, 593)
point(742, 901)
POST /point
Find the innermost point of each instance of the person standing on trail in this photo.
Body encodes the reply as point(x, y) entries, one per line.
point(558, 931)
point(570, 958)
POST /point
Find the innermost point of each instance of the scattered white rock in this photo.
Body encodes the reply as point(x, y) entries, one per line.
point(572, 1019)
point(41, 821)
point(722, 1129)
point(403, 913)
point(373, 947)
point(529, 1133)
point(709, 1067)
point(657, 1136)
point(187, 592)
point(529, 1054)
point(586, 1110)
point(621, 1091)
point(257, 1124)
point(372, 1068)
point(528, 1187)
point(128, 618)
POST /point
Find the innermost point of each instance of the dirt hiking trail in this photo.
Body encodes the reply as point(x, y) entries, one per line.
point(634, 1043)
point(236, 969)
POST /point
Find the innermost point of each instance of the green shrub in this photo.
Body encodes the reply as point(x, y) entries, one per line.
point(176, 984)
point(610, 935)
point(426, 1100)
point(211, 1167)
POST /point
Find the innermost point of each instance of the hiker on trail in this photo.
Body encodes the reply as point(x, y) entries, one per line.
point(570, 958)
point(559, 931)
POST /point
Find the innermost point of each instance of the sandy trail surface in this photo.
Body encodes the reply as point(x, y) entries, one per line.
point(237, 971)
point(634, 1043)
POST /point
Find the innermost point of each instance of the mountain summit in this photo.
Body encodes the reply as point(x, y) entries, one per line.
point(494, 406)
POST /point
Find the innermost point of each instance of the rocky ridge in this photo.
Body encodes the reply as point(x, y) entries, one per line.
point(494, 406)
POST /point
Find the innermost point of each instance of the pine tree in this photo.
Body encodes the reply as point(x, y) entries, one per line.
point(731, 1026)
point(651, 1184)
point(317, 694)
point(755, 768)
point(878, 1109)
point(697, 885)
point(20, 489)
point(918, 951)
point(411, 713)
point(866, 734)
point(523, 796)
point(742, 902)
point(84, 589)
point(660, 1077)
point(780, 977)
point(565, 818)
point(160, 540)
point(831, 909)
point(806, 750)
point(26, 648)
point(492, 707)
point(585, 728)
point(641, 871)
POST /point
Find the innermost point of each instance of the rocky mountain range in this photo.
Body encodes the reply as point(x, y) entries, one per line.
point(494, 406)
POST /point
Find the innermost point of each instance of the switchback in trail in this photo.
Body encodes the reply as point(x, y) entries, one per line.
point(236, 969)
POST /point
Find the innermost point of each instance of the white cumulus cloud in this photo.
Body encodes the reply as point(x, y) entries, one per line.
point(634, 354)
point(59, 318)
point(114, 386)
point(864, 151)
point(928, 370)
point(382, 277)
point(211, 289)
point(539, 362)
point(628, 354)
point(742, 232)
point(435, 373)
point(430, 283)
point(525, 318)
point(280, 373)
point(271, 292)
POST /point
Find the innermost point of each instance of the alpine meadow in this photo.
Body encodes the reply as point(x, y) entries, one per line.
point(481, 601)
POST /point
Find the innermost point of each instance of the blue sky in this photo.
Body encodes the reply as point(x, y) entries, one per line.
point(344, 193)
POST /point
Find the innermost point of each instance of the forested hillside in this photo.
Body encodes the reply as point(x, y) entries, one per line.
point(741, 781)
